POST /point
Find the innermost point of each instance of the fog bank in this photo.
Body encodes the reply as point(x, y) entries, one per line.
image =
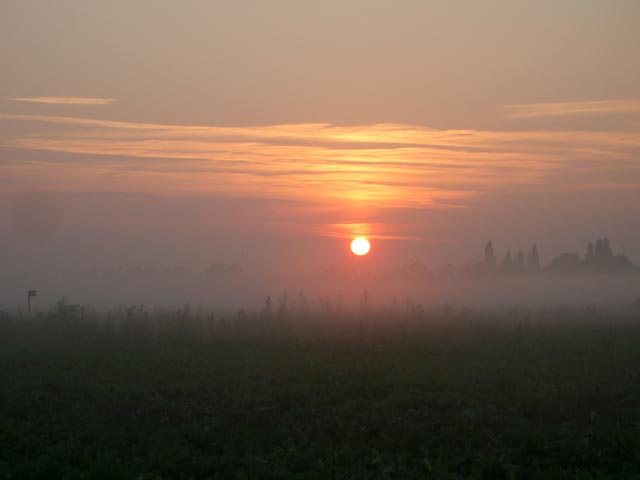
point(228, 289)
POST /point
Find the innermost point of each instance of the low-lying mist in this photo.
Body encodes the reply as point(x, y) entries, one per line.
point(228, 290)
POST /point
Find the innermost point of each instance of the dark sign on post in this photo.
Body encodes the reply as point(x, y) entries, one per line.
point(30, 293)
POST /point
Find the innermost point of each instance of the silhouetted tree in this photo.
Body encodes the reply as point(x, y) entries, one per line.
point(533, 259)
point(489, 254)
point(487, 266)
point(565, 263)
point(601, 259)
point(603, 249)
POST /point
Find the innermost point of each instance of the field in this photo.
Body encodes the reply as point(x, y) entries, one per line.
point(445, 394)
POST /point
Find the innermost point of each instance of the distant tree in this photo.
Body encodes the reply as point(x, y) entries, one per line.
point(598, 259)
point(603, 249)
point(507, 263)
point(589, 255)
point(533, 259)
point(565, 263)
point(489, 254)
point(488, 265)
point(601, 259)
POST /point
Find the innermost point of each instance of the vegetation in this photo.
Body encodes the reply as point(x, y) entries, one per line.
point(598, 259)
point(451, 393)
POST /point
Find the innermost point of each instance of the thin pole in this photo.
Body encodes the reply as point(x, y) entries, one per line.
point(29, 301)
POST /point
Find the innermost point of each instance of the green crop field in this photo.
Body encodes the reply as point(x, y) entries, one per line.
point(462, 395)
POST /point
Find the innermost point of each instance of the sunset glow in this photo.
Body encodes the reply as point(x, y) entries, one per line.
point(374, 165)
point(216, 128)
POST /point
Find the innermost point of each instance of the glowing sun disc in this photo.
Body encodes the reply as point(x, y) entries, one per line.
point(360, 246)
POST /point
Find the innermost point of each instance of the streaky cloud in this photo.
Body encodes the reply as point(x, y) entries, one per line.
point(556, 109)
point(379, 165)
point(64, 100)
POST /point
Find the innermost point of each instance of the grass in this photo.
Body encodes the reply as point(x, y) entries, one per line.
point(472, 396)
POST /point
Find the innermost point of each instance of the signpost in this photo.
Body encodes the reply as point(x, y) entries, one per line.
point(30, 293)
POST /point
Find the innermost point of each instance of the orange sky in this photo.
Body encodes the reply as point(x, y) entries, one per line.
point(429, 126)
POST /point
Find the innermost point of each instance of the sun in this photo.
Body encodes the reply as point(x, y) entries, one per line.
point(360, 246)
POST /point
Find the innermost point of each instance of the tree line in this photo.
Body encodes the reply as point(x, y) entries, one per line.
point(598, 258)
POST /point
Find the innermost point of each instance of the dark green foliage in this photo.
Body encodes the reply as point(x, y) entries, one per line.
point(477, 396)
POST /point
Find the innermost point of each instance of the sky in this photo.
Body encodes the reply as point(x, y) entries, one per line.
point(271, 133)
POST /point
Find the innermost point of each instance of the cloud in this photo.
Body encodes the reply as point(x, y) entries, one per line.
point(368, 166)
point(65, 100)
point(535, 110)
